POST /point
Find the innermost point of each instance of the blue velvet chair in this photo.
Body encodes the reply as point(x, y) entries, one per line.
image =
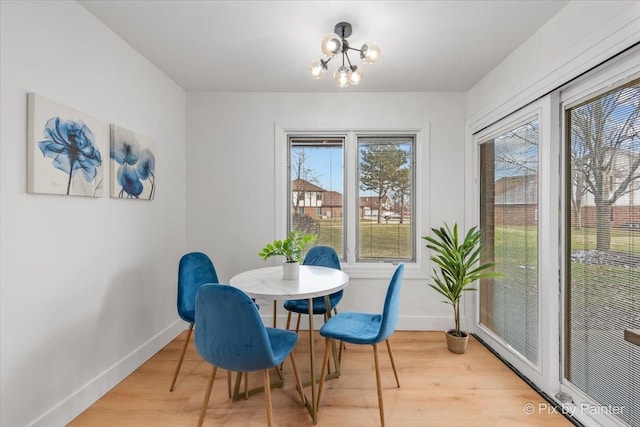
point(365, 328)
point(323, 256)
point(230, 335)
point(194, 270)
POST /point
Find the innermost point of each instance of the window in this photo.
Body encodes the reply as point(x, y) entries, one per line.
point(368, 201)
point(509, 223)
point(385, 181)
point(316, 183)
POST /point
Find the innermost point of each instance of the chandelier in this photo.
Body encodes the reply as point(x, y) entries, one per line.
point(334, 43)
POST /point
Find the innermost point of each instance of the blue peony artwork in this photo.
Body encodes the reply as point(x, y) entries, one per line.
point(71, 145)
point(133, 167)
point(64, 155)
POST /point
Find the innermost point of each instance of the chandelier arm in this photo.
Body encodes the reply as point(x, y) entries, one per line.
point(348, 60)
point(353, 48)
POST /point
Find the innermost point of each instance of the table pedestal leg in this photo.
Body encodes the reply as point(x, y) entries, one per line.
point(314, 408)
point(275, 309)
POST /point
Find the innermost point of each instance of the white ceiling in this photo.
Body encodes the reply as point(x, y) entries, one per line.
point(268, 45)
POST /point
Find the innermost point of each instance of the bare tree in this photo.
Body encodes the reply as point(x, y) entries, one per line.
point(300, 170)
point(518, 156)
point(604, 140)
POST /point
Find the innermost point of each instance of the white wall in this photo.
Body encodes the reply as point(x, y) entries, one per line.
point(230, 171)
point(87, 286)
point(579, 37)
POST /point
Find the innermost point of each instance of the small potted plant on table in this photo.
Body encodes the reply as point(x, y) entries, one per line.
point(292, 249)
point(458, 269)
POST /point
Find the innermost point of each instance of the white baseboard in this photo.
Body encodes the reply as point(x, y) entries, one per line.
point(76, 403)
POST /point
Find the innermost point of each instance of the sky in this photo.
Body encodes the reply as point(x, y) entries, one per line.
point(326, 163)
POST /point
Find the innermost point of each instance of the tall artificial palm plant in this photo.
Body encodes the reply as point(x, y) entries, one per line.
point(458, 263)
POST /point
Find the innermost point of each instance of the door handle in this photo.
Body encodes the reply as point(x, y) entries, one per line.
point(633, 336)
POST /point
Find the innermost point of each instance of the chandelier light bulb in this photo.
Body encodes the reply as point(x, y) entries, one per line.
point(331, 45)
point(318, 68)
point(343, 76)
point(356, 75)
point(370, 53)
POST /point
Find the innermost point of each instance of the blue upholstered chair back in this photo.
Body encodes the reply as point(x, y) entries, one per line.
point(323, 256)
point(195, 269)
point(391, 305)
point(230, 333)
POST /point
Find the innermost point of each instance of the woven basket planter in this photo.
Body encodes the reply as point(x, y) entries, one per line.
point(456, 344)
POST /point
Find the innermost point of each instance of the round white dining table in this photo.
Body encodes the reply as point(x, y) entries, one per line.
point(267, 283)
point(313, 281)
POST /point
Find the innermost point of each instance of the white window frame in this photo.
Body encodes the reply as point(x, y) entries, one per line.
point(545, 372)
point(358, 269)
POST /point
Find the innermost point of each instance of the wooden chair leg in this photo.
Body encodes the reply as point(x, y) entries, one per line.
point(297, 376)
point(393, 364)
point(246, 385)
point(323, 373)
point(236, 387)
point(207, 395)
point(267, 395)
point(298, 324)
point(288, 321)
point(184, 350)
point(378, 382)
point(229, 382)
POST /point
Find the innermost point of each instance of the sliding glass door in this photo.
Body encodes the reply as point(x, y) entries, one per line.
point(511, 179)
point(509, 219)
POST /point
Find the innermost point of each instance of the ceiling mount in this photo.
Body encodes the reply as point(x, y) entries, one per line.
point(334, 43)
point(343, 29)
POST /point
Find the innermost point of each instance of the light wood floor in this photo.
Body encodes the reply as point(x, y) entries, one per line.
point(437, 388)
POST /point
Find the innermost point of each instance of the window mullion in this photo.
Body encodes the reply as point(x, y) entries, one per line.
point(351, 199)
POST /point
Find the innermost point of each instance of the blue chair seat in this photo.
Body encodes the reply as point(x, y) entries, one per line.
point(188, 315)
point(354, 328)
point(281, 343)
point(302, 305)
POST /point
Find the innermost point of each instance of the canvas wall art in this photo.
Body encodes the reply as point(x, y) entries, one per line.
point(65, 150)
point(133, 165)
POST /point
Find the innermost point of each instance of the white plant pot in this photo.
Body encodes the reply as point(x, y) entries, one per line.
point(290, 270)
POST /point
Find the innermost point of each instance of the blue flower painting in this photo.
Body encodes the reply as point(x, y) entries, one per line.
point(64, 155)
point(70, 144)
point(133, 167)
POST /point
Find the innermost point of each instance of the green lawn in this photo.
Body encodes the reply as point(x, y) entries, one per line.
point(376, 240)
point(621, 240)
point(603, 292)
point(518, 243)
